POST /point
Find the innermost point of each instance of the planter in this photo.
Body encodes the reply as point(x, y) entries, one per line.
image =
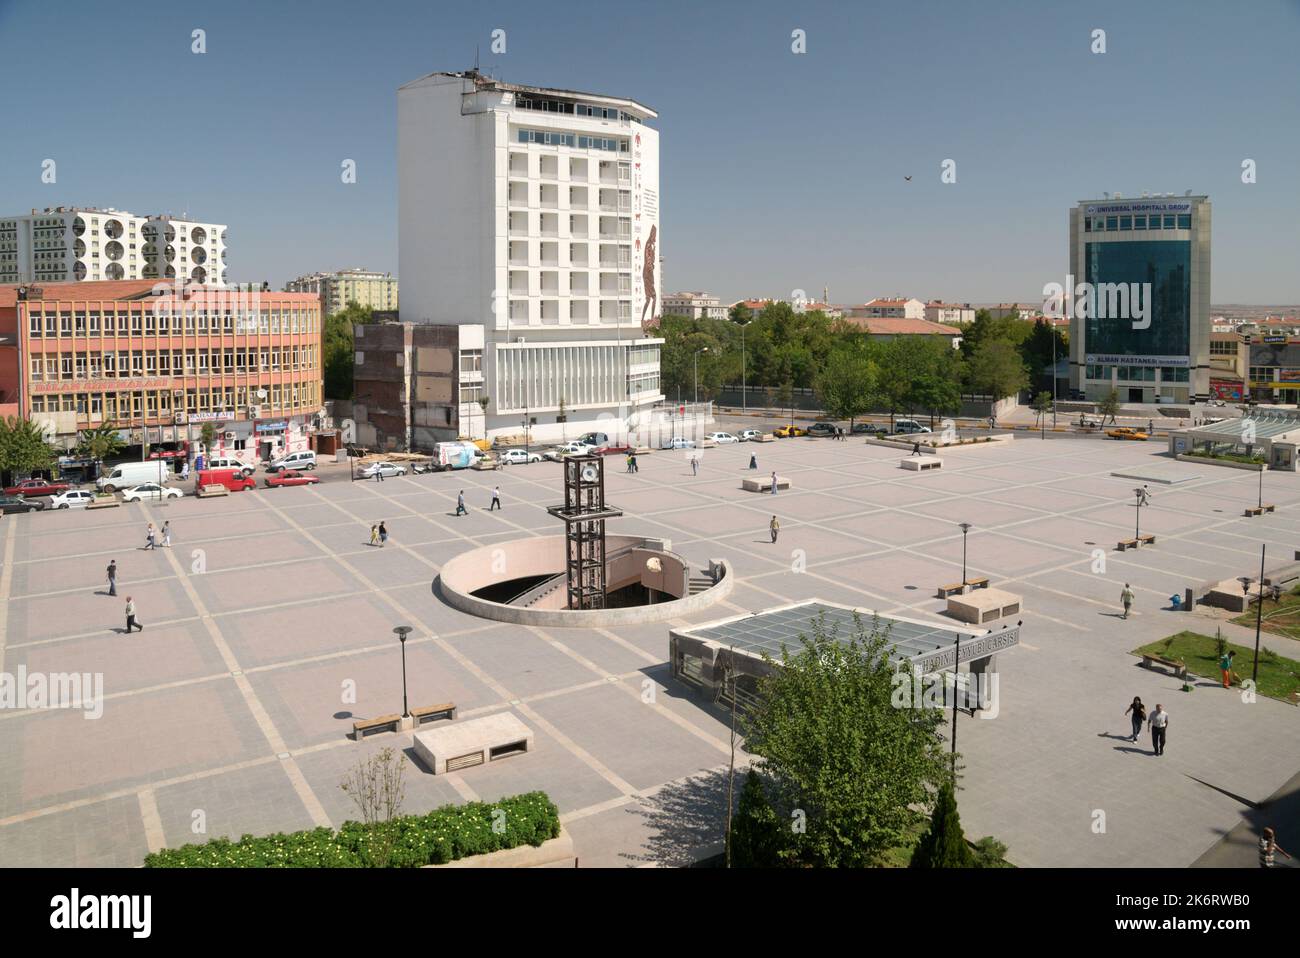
point(1230, 463)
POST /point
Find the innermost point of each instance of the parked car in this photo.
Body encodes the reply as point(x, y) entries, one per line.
point(785, 432)
point(518, 457)
point(385, 469)
point(908, 427)
point(823, 429)
point(612, 449)
point(290, 477)
point(294, 460)
point(749, 435)
point(37, 487)
point(594, 438)
point(73, 499)
point(679, 442)
point(232, 479)
point(860, 428)
point(230, 462)
point(722, 437)
point(10, 504)
point(127, 474)
point(556, 453)
point(150, 491)
point(1127, 432)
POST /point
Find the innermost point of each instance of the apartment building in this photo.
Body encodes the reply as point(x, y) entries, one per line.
point(949, 313)
point(336, 290)
point(897, 308)
point(696, 305)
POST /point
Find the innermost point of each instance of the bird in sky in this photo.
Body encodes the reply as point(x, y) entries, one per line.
point(908, 178)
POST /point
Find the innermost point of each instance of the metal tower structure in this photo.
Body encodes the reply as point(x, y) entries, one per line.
point(584, 513)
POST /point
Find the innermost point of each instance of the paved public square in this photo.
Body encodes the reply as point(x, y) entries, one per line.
point(230, 711)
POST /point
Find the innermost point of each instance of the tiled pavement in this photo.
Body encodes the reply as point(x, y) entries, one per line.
point(228, 714)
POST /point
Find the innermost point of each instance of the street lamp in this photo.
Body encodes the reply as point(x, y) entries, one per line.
point(1259, 615)
point(744, 404)
point(402, 631)
point(1142, 498)
point(965, 528)
point(704, 349)
point(956, 666)
point(524, 424)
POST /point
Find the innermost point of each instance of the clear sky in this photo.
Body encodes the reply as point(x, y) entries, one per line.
point(779, 171)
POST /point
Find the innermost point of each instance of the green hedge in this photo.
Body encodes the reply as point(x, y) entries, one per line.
point(443, 835)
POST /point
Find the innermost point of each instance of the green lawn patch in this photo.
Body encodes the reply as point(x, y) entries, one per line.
point(1281, 617)
point(1278, 676)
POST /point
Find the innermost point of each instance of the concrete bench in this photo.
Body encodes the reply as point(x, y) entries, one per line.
point(104, 502)
point(363, 726)
point(1260, 510)
point(766, 437)
point(764, 484)
point(980, 582)
point(1125, 544)
point(983, 605)
point(215, 489)
point(1179, 668)
point(922, 463)
point(431, 712)
point(1147, 540)
point(476, 742)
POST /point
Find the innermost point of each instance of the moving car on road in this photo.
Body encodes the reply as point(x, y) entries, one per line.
point(574, 448)
point(295, 460)
point(785, 432)
point(73, 499)
point(721, 438)
point(37, 487)
point(823, 429)
point(1127, 432)
point(908, 427)
point(517, 457)
point(10, 504)
point(150, 491)
point(290, 477)
point(749, 435)
point(385, 469)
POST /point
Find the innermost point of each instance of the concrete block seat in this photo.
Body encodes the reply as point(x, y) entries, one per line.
point(983, 605)
point(922, 463)
point(764, 484)
point(460, 745)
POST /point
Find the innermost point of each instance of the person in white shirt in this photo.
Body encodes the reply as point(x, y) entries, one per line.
point(1158, 722)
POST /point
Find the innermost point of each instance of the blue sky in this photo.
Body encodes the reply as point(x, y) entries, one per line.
point(779, 171)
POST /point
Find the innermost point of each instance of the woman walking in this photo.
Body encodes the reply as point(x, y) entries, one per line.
point(374, 535)
point(1138, 717)
point(167, 534)
point(383, 535)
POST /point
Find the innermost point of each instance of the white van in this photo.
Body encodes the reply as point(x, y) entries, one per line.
point(295, 460)
point(128, 474)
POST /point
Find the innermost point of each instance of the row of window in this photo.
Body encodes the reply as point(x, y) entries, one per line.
point(1220, 347)
point(582, 142)
point(572, 108)
point(124, 363)
point(1147, 374)
point(165, 322)
point(1153, 221)
point(125, 408)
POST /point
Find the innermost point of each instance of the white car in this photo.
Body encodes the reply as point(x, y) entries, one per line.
point(722, 437)
point(385, 469)
point(680, 442)
point(231, 463)
point(517, 457)
point(574, 448)
point(750, 435)
point(150, 490)
point(72, 499)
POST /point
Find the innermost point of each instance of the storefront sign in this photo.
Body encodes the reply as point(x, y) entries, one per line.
point(272, 426)
point(100, 385)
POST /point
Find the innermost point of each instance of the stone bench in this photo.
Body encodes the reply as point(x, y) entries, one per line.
point(1260, 510)
point(104, 502)
point(766, 437)
point(215, 489)
point(1125, 544)
point(764, 484)
point(1179, 668)
point(476, 742)
point(983, 605)
point(922, 463)
point(363, 726)
point(980, 582)
point(431, 712)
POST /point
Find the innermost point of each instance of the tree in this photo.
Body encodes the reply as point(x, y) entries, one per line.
point(995, 370)
point(943, 845)
point(755, 837)
point(990, 853)
point(1109, 405)
point(1042, 405)
point(375, 786)
point(338, 349)
point(483, 403)
point(23, 448)
point(99, 442)
point(207, 438)
point(838, 757)
point(846, 385)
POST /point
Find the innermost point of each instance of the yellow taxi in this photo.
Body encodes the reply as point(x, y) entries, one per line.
point(785, 432)
point(1127, 432)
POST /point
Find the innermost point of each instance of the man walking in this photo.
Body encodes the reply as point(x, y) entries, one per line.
point(150, 537)
point(185, 471)
point(773, 483)
point(916, 449)
point(629, 462)
point(496, 498)
point(775, 528)
point(1126, 599)
point(1225, 666)
point(460, 504)
point(636, 466)
point(383, 535)
point(379, 472)
point(1158, 722)
point(1267, 846)
point(753, 461)
point(112, 577)
point(131, 623)
point(167, 534)
point(695, 466)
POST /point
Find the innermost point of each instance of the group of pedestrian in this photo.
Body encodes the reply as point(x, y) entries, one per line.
point(152, 535)
point(379, 535)
point(631, 463)
point(132, 625)
point(1157, 722)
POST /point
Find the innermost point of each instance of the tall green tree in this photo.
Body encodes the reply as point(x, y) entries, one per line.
point(99, 443)
point(338, 349)
point(1109, 405)
point(756, 833)
point(23, 448)
point(1041, 406)
point(840, 761)
point(846, 384)
point(943, 845)
point(995, 369)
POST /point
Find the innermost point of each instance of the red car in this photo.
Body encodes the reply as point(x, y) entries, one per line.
point(613, 448)
point(290, 477)
point(37, 487)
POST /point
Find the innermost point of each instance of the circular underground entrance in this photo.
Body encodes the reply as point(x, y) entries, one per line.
point(525, 582)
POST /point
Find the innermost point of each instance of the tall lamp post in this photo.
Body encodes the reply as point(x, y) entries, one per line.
point(402, 631)
point(744, 397)
point(524, 424)
point(1142, 497)
point(1259, 615)
point(965, 528)
point(704, 349)
point(956, 666)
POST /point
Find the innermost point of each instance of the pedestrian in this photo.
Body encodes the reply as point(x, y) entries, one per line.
point(1151, 427)
point(150, 537)
point(1159, 722)
point(695, 466)
point(1126, 599)
point(131, 623)
point(916, 449)
point(773, 483)
point(1137, 718)
point(112, 577)
point(636, 463)
point(383, 535)
point(185, 471)
point(460, 504)
point(629, 462)
point(1225, 666)
point(167, 534)
point(774, 527)
point(379, 472)
point(374, 535)
point(753, 461)
point(1267, 846)
point(496, 498)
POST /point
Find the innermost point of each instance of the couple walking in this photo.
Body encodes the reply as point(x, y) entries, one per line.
point(379, 535)
point(1157, 721)
point(152, 534)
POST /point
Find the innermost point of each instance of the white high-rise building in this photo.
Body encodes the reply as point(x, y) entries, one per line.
point(529, 218)
point(74, 244)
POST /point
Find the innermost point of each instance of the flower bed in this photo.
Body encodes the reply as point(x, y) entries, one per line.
point(444, 834)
